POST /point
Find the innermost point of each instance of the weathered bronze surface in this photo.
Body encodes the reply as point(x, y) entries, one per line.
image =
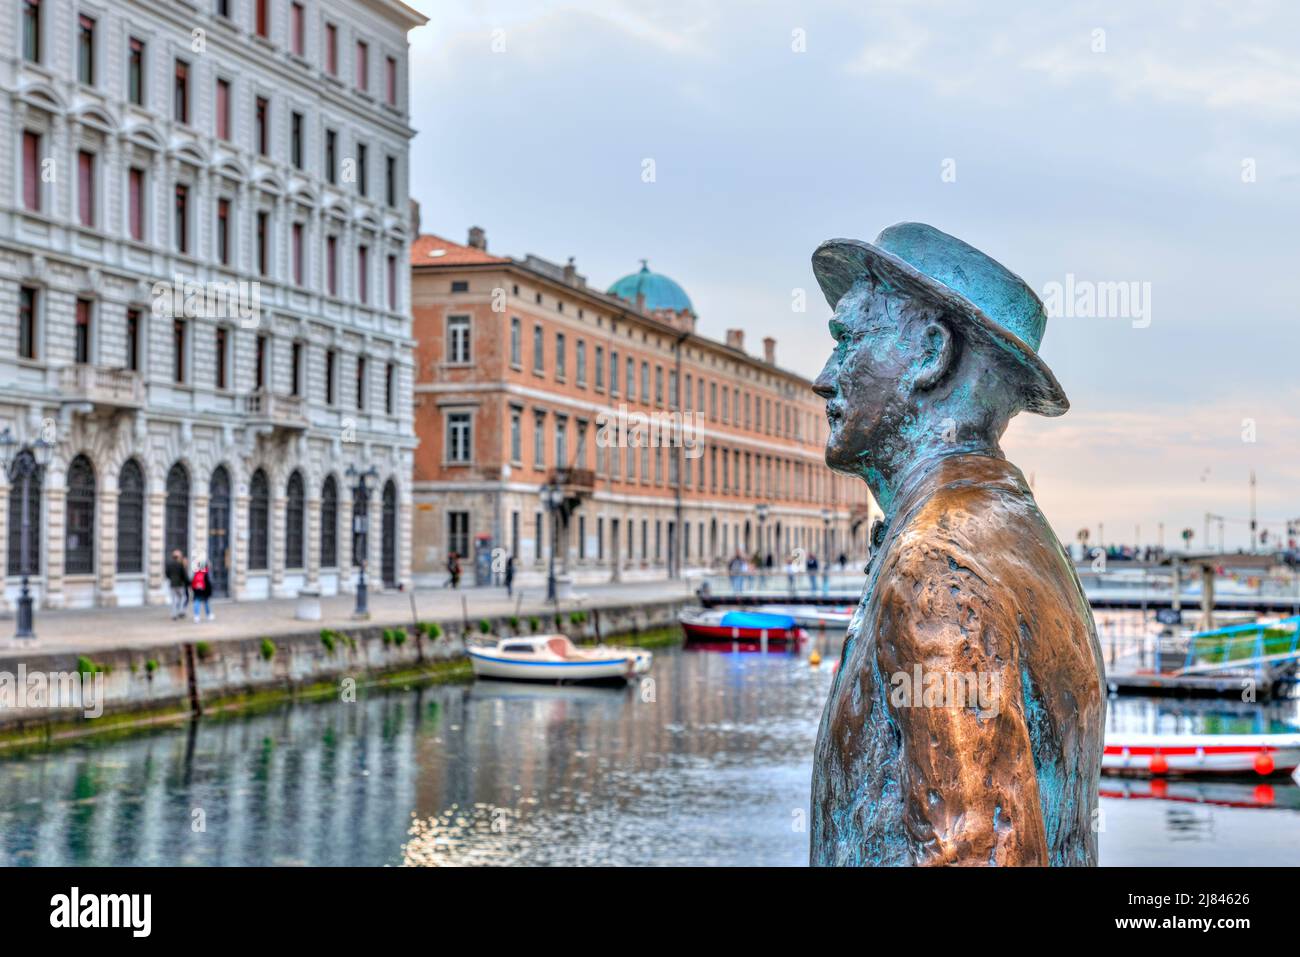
point(968, 589)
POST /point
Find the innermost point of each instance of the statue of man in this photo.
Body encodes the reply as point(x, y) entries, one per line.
point(965, 721)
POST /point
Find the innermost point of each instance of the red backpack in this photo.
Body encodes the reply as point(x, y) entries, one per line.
point(200, 579)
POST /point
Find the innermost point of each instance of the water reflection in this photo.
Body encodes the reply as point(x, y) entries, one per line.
point(708, 764)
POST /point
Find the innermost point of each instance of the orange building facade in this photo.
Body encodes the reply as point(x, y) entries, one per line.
point(670, 451)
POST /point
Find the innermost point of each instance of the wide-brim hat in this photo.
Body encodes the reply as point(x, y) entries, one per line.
point(980, 294)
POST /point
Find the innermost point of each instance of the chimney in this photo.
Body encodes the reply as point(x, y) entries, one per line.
point(736, 339)
point(413, 208)
point(769, 350)
point(477, 238)
point(570, 272)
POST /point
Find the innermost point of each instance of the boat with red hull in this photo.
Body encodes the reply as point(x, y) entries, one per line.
point(722, 626)
point(1200, 754)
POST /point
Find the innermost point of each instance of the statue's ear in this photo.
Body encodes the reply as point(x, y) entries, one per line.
point(938, 352)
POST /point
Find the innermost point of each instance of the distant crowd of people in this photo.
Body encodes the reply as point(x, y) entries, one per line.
point(189, 588)
point(755, 570)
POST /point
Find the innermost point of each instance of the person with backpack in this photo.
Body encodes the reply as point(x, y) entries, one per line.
point(202, 587)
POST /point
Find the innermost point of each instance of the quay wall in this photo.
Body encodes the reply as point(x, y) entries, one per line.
point(169, 682)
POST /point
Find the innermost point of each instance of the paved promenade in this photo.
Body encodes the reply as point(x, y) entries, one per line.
point(96, 628)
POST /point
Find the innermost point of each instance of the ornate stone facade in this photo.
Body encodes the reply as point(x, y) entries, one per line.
point(255, 149)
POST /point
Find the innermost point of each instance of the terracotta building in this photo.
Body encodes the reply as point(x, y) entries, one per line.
point(669, 451)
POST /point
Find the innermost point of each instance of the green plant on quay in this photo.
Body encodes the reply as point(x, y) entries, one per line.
point(268, 649)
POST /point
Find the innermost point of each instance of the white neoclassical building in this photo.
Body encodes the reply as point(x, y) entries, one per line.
point(204, 232)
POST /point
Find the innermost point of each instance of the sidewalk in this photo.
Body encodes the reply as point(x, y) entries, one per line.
point(97, 628)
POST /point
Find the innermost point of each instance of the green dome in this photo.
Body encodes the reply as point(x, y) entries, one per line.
point(660, 292)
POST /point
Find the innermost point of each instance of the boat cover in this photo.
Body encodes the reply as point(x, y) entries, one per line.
point(757, 619)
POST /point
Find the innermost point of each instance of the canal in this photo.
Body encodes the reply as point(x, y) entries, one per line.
point(707, 765)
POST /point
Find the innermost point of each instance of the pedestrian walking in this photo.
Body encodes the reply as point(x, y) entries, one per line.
point(453, 570)
point(178, 579)
point(510, 574)
point(201, 583)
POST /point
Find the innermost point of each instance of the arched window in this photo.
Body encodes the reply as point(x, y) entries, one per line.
point(25, 463)
point(329, 524)
point(293, 522)
point(259, 503)
point(79, 534)
point(176, 513)
point(130, 519)
point(388, 555)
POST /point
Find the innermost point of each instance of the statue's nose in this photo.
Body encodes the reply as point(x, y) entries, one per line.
point(823, 388)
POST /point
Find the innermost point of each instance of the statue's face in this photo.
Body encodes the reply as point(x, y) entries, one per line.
point(866, 381)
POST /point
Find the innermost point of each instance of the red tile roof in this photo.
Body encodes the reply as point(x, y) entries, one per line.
point(431, 250)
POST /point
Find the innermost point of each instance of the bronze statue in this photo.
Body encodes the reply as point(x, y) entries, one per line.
point(965, 722)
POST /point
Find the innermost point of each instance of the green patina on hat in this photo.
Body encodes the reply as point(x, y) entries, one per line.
point(979, 293)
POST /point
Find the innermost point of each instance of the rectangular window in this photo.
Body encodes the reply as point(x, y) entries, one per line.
point(297, 29)
point(262, 20)
point(297, 253)
point(458, 534)
point(32, 171)
point(295, 370)
point(222, 346)
point(580, 351)
point(295, 140)
point(135, 71)
point(392, 282)
point(539, 440)
point(645, 382)
point(86, 50)
point(181, 93)
point(659, 385)
point(332, 265)
point(561, 442)
point(631, 378)
point(600, 367)
point(262, 125)
point(223, 109)
point(363, 274)
point(178, 351)
point(27, 323)
point(389, 372)
point(613, 373)
point(82, 342)
point(263, 241)
point(331, 364)
point(516, 436)
point(390, 80)
point(458, 438)
point(182, 218)
point(458, 339)
point(223, 231)
point(331, 156)
point(363, 177)
point(32, 31)
point(516, 342)
point(560, 356)
point(361, 383)
point(331, 49)
point(259, 364)
point(390, 180)
point(539, 357)
point(363, 66)
point(133, 340)
point(86, 187)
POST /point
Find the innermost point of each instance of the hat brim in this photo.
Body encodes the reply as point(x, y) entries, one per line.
point(839, 263)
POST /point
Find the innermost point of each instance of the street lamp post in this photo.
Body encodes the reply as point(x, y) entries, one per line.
point(21, 465)
point(761, 510)
point(361, 527)
point(552, 499)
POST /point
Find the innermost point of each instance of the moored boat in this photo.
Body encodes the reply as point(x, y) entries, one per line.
point(721, 625)
point(554, 658)
point(1193, 754)
point(812, 616)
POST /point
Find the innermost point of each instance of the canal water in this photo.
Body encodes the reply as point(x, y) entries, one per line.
point(709, 765)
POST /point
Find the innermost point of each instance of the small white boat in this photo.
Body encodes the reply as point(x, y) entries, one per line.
point(1184, 754)
point(554, 658)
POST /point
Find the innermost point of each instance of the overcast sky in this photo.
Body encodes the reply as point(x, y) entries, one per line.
point(1149, 143)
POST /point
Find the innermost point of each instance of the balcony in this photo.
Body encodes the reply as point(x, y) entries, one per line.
point(278, 411)
point(574, 481)
point(102, 386)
